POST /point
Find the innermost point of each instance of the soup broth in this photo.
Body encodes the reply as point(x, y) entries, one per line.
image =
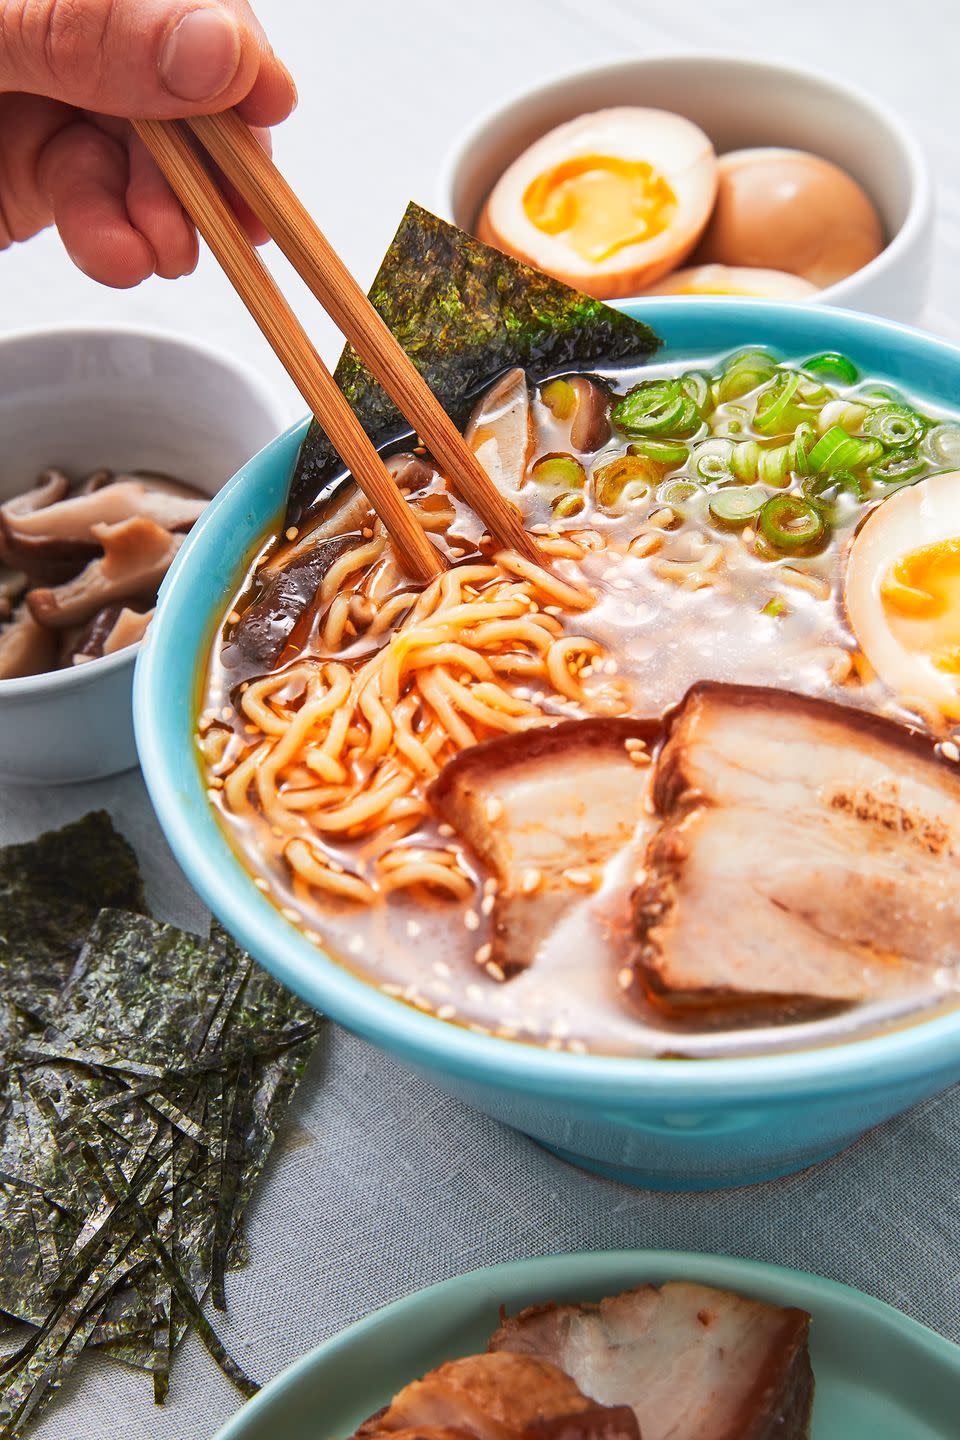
point(695, 524)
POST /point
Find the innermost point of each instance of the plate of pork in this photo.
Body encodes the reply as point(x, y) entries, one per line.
point(623, 1345)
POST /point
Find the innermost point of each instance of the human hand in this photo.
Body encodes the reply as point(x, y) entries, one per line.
point(71, 71)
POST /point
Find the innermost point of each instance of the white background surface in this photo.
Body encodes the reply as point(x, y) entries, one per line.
point(382, 1186)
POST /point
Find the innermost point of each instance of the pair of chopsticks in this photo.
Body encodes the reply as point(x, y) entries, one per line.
point(234, 149)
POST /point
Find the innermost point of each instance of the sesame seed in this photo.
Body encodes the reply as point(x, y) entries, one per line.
point(355, 945)
point(639, 877)
point(446, 1012)
point(483, 954)
point(413, 929)
point(610, 667)
point(313, 936)
point(260, 883)
point(950, 751)
point(531, 881)
point(748, 535)
point(292, 532)
point(639, 757)
point(445, 830)
point(552, 610)
point(487, 904)
point(389, 988)
point(634, 744)
point(625, 978)
point(226, 713)
point(244, 687)
point(578, 877)
point(493, 809)
point(471, 919)
point(490, 887)
point(289, 914)
point(215, 782)
point(494, 971)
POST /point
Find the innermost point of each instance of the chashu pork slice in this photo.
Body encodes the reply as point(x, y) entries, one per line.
point(694, 1363)
point(499, 1397)
point(808, 860)
point(544, 810)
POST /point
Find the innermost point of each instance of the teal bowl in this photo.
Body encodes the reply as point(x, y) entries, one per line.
point(690, 1125)
point(879, 1376)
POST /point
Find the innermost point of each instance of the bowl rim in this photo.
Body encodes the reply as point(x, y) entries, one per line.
point(587, 1268)
point(919, 1048)
point(920, 204)
point(26, 687)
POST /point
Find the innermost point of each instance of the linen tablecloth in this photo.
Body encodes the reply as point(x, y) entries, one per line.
point(379, 1185)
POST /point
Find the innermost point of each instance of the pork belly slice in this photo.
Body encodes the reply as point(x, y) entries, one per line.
point(807, 861)
point(544, 810)
point(694, 1363)
point(499, 1397)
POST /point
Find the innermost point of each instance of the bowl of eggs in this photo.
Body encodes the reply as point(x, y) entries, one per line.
point(702, 175)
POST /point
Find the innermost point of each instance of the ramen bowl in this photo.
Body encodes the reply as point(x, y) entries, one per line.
point(740, 103)
point(660, 1122)
point(124, 399)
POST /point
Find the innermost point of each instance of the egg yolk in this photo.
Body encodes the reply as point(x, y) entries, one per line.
point(921, 597)
point(599, 204)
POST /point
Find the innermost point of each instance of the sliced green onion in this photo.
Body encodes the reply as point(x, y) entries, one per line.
point(836, 450)
point(778, 409)
point(745, 372)
point(668, 453)
point(897, 465)
point(894, 425)
point(737, 505)
point(697, 386)
point(774, 466)
point(610, 480)
point(657, 407)
point(942, 445)
point(833, 366)
point(831, 484)
point(881, 395)
point(568, 505)
point(774, 607)
point(564, 471)
point(560, 398)
point(712, 459)
point(678, 492)
point(790, 523)
point(745, 460)
point(804, 439)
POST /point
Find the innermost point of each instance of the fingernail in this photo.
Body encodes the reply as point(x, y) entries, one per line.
point(201, 55)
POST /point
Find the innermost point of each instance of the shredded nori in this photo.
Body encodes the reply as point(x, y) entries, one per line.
point(134, 1126)
point(464, 312)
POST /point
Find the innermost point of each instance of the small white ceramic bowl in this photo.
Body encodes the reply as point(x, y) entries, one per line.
point(125, 399)
point(738, 103)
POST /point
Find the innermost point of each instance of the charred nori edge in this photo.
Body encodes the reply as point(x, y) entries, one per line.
point(135, 1125)
point(50, 892)
point(464, 312)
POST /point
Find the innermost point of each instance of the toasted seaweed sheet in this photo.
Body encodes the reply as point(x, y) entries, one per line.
point(464, 312)
point(135, 1125)
point(50, 892)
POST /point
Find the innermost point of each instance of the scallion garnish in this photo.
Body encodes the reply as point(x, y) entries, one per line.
point(737, 506)
point(657, 407)
point(745, 372)
point(894, 425)
point(790, 523)
point(832, 366)
point(836, 450)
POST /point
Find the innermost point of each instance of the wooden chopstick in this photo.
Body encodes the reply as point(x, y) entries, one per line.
point(251, 171)
point(188, 178)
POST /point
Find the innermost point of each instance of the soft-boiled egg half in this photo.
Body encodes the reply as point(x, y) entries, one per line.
point(902, 592)
point(787, 210)
point(609, 202)
point(734, 280)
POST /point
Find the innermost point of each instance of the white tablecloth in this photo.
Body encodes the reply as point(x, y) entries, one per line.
point(379, 1184)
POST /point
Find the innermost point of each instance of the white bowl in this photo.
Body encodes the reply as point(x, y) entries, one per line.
point(738, 103)
point(125, 399)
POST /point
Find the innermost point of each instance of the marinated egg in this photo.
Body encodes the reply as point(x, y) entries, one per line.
point(902, 591)
point(608, 202)
point(788, 210)
point(734, 280)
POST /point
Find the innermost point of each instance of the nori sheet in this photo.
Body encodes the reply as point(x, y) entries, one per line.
point(464, 312)
point(50, 892)
point(136, 1124)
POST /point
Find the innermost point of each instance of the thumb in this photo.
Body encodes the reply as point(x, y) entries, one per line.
point(150, 58)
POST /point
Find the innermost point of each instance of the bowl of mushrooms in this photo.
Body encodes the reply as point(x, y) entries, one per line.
point(113, 442)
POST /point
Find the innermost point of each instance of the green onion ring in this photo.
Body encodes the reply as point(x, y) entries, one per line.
point(668, 453)
point(893, 425)
point(836, 450)
point(774, 404)
point(833, 366)
point(737, 506)
point(791, 523)
point(942, 445)
point(678, 492)
point(897, 465)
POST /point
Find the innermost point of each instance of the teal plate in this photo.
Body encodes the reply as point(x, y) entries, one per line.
point(879, 1376)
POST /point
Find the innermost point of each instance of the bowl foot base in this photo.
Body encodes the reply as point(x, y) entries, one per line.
point(665, 1180)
